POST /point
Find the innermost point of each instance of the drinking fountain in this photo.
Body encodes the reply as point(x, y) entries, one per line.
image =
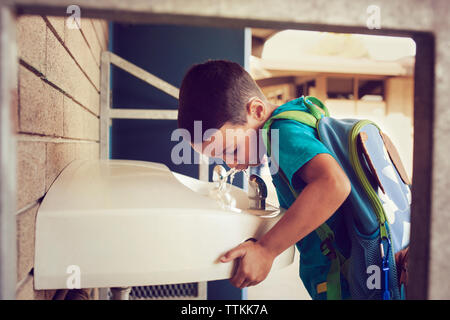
point(124, 223)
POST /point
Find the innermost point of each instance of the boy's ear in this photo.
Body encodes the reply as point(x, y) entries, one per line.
point(256, 109)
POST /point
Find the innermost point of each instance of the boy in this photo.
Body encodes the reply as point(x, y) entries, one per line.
point(223, 96)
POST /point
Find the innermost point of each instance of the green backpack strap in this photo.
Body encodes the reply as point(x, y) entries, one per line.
point(312, 103)
point(338, 261)
point(310, 119)
point(324, 232)
point(300, 116)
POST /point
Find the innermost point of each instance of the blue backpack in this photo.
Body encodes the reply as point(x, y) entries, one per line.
point(377, 211)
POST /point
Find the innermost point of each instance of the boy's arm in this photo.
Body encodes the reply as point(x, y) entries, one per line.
point(327, 188)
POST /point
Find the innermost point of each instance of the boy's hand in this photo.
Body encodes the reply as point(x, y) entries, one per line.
point(253, 265)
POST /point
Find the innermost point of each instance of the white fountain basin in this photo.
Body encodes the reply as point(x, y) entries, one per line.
point(134, 223)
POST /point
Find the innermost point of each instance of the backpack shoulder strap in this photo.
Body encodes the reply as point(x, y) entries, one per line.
point(296, 115)
point(338, 261)
point(316, 109)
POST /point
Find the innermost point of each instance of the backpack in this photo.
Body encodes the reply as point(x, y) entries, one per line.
point(377, 211)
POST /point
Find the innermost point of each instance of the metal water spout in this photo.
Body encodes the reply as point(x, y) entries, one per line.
point(257, 192)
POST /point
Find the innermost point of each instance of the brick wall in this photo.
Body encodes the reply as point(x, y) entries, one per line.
point(57, 119)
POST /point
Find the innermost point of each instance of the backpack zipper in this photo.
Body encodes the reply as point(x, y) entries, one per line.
point(357, 167)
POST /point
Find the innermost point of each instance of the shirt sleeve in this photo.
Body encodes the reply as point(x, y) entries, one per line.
point(297, 145)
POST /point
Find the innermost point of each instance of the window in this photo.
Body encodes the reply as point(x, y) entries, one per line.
point(344, 88)
point(306, 88)
point(310, 86)
point(340, 88)
point(300, 89)
point(371, 90)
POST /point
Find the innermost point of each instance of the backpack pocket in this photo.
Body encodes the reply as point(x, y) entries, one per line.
point(365, 274)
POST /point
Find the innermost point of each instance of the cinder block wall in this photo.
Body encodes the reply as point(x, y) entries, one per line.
point(57, 118)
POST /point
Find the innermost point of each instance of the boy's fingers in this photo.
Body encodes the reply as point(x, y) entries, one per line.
point(239, 277)
point(233, 254)
point(244, 284)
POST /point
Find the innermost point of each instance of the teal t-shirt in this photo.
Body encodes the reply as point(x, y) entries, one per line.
point(298, 144)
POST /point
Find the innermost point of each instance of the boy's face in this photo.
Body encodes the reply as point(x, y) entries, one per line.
point(238, 145)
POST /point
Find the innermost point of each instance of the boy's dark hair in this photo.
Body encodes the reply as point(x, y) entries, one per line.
point(215, 92)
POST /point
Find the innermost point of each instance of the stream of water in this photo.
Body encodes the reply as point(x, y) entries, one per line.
point(222, 191)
